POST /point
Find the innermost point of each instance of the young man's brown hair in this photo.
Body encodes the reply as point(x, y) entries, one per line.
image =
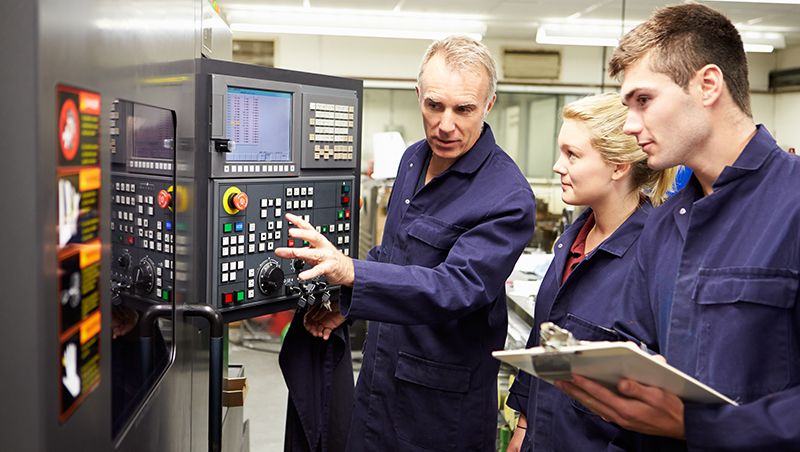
point(682, 39)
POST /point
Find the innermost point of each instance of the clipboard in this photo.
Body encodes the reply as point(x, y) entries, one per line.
point(606, 363)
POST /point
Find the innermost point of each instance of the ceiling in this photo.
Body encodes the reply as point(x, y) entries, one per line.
point(518, 19)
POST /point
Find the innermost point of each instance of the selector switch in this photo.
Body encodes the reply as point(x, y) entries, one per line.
point(270, 277)
point(124, 261)
point(144, 276)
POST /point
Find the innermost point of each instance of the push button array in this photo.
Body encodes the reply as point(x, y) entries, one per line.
point(331, 125)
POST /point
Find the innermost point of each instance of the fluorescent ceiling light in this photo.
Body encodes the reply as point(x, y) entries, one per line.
point(758, 48)
point(578, 35)
point(757, 41)
point(777, 2)
point(607, 35)
point(349, 31)
point(341, 22)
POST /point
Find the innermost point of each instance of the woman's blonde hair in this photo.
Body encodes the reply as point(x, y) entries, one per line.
point(604, 115)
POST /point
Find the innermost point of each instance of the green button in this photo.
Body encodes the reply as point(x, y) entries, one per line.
point(305, 242)
point(165, 295)
point(345, 189)
point(240, 295)
point(324, 229)
point(227, 227)
point(340, 214)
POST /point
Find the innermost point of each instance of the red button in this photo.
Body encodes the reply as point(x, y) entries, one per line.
point(228, 298)
point(131, 240)
point(347, 214)
point(290, 243)
point(345, 200)
point(164, 199)
point(238, 201)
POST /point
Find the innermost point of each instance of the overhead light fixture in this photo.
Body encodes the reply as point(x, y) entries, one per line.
point(578, 35)
point(777, 2)
point(360, 23)
point(607, 35)
point(759, 41)
point(758, 48)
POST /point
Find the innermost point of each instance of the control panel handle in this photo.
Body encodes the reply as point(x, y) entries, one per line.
point(215, 358)
point(224, 145)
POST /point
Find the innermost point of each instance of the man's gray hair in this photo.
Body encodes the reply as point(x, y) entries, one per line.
point(463, 53)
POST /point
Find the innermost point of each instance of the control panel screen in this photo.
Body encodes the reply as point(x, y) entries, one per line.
point(260, 123)
point(153, 133)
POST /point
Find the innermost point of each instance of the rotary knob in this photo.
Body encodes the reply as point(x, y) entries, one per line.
point(124, 260)
point(144, 276)
point(270, 277)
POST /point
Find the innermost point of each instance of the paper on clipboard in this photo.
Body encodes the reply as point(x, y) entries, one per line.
point(606, 363)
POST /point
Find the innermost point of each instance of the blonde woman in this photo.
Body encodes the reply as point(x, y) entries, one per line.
point(604, 169)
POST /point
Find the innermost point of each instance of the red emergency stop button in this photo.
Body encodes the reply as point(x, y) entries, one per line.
point(164, 199)
point(238, 201)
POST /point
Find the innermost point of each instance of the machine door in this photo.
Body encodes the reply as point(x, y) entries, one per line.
point(142, 226)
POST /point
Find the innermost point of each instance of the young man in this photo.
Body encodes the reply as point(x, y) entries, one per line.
point(720, 268)
point(459, 216)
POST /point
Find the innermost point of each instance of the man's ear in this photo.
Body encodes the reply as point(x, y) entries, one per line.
point(491, 104)
point(711, 82)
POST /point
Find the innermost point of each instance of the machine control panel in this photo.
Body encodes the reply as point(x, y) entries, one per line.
point(277, 142)
point(142, 201)
point(142, 237)
point(247, 233)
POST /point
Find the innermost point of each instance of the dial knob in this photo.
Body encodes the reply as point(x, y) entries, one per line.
point(270, 277)
point(143, 276)
point(124, 260)
point(164, 199)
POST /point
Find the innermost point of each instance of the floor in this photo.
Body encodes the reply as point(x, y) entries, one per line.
point(265, 405)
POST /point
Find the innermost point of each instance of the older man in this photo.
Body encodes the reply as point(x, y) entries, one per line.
point(459, 216)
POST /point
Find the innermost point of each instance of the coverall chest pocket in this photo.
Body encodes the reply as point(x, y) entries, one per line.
point(430, 240)
point(746, 331)
point(429, 395)
point(585, 330)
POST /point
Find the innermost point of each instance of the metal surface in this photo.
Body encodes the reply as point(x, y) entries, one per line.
point(142, 51)
point(148, 53)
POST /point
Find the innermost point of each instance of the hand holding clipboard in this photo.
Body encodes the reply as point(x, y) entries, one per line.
point(606, 363)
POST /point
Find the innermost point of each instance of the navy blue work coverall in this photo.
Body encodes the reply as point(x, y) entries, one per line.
point(720, 274)
point(434, 291)
point(587, 304)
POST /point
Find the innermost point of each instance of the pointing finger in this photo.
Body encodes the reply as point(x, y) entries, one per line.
point(313, 237)
point(299, 221)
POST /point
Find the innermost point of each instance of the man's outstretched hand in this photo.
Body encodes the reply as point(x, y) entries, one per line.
point(324, 258)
